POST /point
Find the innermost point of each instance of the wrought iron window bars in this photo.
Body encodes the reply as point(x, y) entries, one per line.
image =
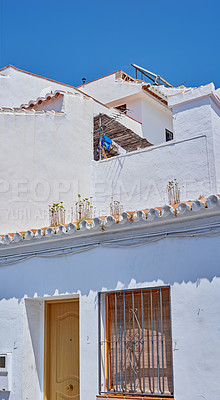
point(135, 347)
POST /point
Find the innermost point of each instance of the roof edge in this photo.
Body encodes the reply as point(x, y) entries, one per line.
point(191, 95)
point(204, 207)
point(184, 220)
point(63, 84)
point(97, 79)
point(37, 76)
point(7, 66)
point(112, 73)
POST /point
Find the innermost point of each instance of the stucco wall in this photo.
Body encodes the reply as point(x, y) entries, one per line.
point(194, 118)
point(183, 263)
point(133, 105)
point(155, 119)
point(19, 88)
point(109, 89)
point(139, 180)
point(215, 118)
point(154, 116)
point(45, 158)
point(134, 108)
point(34, 145)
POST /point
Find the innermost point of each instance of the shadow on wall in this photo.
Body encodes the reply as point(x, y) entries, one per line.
point(168, 260)
point(113, 173)
point(34, 312)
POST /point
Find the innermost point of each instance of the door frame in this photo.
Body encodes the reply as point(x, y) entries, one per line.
point(63, 299)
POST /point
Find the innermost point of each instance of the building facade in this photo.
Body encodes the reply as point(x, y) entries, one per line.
point(49, 133)
point(112, 306)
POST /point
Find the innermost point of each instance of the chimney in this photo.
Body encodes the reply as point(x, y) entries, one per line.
point(84, 80)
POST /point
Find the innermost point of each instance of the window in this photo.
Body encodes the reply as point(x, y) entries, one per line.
point(122, 108)
point(135, 352)
point(169, 135)
point(2, 361)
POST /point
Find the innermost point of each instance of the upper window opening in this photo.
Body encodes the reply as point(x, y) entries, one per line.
point(169, 135)
point(2, 361)
point(135, 342)
point(122, 108)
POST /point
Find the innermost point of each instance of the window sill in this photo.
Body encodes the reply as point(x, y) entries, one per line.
point(133, 397)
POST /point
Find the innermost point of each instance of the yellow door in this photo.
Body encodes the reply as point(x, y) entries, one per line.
point(62, 350)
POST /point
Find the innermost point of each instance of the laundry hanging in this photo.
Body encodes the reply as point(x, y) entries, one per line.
point(106, 142)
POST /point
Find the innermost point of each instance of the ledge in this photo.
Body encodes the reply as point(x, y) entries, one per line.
point(186, 211)
point(134, 397)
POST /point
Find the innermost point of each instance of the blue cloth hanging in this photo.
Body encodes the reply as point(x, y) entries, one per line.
point(106, 142)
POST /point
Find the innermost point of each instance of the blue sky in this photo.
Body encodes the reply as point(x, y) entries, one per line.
point(67, 40)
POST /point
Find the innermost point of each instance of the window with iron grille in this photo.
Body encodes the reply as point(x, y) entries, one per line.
point(135, 347)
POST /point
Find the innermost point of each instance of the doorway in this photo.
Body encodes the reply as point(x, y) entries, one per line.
point(61, 354)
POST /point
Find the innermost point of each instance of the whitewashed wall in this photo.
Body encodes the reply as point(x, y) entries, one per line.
point(18, 87)
point(215, 118)
point(183, 263)
point(109, 89)
point(154, 116)
point(194, 115)
point(139, 180)
point(192, 118)
point(45, 158)
point(155, 119)
point(48, 158)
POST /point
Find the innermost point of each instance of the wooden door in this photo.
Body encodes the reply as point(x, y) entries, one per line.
point(62, 350)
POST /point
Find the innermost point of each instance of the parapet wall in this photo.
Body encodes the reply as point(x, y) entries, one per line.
point(139, 179)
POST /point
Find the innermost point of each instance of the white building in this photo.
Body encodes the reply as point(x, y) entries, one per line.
point(45, 126)
point(125, 306)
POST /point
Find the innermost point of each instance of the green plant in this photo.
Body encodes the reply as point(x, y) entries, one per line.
point(57, 214)
point(83, 208)
point(115, 207)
